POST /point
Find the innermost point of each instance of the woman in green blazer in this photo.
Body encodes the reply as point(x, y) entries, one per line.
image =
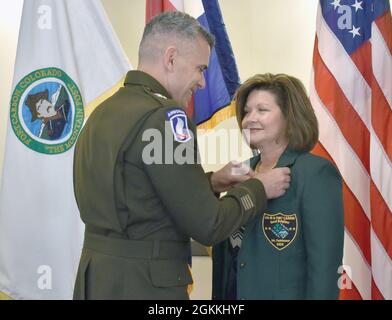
point(292, 250)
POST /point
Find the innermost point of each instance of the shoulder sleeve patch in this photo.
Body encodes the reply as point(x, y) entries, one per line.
point(179, 124)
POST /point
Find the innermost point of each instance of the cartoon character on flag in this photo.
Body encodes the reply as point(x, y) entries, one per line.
point(52, 112)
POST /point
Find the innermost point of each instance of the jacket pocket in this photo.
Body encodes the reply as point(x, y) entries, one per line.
point(292, 270)
point(170, 273)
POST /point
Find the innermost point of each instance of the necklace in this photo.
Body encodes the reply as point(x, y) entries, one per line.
point(258, 168)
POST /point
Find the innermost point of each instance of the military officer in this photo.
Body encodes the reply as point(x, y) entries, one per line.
point(139, 187)
point(293, 250)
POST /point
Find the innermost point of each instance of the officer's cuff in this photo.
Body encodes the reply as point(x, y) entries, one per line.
point(251, 196)
point(209, 175)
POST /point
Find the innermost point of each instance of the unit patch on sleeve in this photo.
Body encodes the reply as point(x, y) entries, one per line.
point(280, 229)
point(179, 124)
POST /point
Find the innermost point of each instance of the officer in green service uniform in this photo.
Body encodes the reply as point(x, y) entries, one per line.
point(294, 248)
point(139, 188)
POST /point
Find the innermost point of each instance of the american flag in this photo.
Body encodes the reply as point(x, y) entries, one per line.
point(351, 92)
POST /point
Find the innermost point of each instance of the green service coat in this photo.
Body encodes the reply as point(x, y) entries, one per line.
point(140, 207)
point(294, 248)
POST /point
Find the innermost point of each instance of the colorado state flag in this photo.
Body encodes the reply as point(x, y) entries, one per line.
point(68, 58)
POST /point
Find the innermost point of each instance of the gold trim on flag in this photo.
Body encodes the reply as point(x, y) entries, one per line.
point(223, 114)
point(88, 109)
point(3, 296)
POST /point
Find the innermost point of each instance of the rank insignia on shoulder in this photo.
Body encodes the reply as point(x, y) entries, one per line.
point(159, 95)
point(179, 124)
point(280, 229)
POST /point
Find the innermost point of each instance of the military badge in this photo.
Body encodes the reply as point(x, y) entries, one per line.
point(179, 125)
point(280, 229)
point(47, 111)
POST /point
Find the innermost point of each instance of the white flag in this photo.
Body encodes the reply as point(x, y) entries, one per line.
point(68, 56)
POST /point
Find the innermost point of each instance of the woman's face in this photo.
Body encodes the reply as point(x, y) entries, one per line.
point(264, 120)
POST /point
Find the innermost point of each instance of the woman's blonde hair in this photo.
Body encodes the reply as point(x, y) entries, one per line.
point(290, 95)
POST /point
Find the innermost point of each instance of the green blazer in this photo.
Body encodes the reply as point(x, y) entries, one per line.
point(294, 248)
point(139, 204)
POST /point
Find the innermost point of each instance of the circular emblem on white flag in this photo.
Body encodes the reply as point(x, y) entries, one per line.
point(47, 111)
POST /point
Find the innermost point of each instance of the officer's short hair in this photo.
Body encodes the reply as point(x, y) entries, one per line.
point(177, 24)
point(290, 95)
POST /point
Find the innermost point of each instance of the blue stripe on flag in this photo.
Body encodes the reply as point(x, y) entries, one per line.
point(221, 76)
point(223, 46)
point(380, 7)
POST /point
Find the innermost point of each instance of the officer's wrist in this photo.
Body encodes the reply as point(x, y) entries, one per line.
point(213, 184)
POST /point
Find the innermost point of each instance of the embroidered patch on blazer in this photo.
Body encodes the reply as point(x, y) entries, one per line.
point(179, 125)
point(280, 229)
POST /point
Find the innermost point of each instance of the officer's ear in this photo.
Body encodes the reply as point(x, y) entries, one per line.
point(170, 56)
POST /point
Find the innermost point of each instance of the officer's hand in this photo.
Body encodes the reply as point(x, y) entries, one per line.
point(276, 181)
point(231, 174)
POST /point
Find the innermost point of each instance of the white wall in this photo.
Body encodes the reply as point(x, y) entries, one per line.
point(266, 35)
point(271, 35)
point(128, 20)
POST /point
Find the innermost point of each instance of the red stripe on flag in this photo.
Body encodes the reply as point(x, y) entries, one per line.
point(384, 24)
point(319, 150)
point(382, 118)
point(361, 59)
point(355, 219)
point(357, 222)
point(349, 294)
point(381, 219)
point(376, 294)
point(155, 7)
point(190, 109)
point(349, 122)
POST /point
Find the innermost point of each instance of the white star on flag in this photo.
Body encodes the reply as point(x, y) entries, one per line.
point(355, 31)
point(336, 3)
point(357, 5)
